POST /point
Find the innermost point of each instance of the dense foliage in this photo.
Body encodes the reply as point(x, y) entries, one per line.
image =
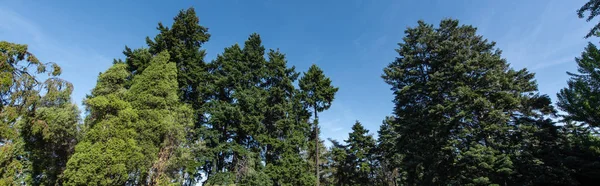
point(165, 116)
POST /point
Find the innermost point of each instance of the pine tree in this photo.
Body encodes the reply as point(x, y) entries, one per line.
point(183, 41)
point(456, 105)
point(319, 93)
point(581, 99)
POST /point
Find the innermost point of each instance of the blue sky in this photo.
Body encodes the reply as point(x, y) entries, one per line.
point(352, 40)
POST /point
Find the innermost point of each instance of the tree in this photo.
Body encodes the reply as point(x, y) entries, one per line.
point(28, 124)
point(136, 134)
point(593, 6)
point(581, 99)
point(108, 153)
point(51, 132)
point(319, 93)
point(354, 162)
point(183, 41)
point(163, 121)
point(285, 135)
point(360, 150)
point(457, 103)
point(237, 110)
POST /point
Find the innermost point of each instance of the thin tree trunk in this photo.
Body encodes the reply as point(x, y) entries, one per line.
point(316, 123)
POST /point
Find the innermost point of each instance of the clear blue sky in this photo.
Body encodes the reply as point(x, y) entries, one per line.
point(351, 40)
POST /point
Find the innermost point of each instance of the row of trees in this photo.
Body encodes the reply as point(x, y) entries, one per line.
point(164, 116)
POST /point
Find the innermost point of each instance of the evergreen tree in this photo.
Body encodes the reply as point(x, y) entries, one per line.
point(457, 106)
point(388, 159)
point(135, 134)
point(354, 162)
point(183, 41)
point(285, 137)
point(109, 153)
point(581, 99)
point(593, 6)
point(360, 146)
point(319, 93)
point(28, 124)
point(237, 109)
point(51, 132)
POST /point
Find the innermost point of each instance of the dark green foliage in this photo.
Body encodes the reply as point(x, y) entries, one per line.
point(255, 115)
point(593, 6)
point(354, 162)
point(162, 116)
point(183, 41)
point(456, 105)
point(581, 99)
point(318, 94)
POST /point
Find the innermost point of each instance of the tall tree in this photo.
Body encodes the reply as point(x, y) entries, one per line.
point(457, 104)
point(163, 121)
point(319, 93)
point(136, 134)
point(285, 137)
point(581, 99)
point(109, 153)
point(237, 110)
point(183, 41)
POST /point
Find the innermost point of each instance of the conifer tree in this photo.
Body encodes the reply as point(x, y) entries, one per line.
point(34, 129)
point(319, 93)
point(581, 99)
point(51, 132)
point(135, 134)
point(592, 6)
point(457, 106)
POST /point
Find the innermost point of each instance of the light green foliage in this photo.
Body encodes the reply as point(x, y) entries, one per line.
point(38, 126)
point(109, 151)
point(133, 131)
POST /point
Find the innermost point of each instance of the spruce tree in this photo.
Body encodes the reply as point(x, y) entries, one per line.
point(319, 93)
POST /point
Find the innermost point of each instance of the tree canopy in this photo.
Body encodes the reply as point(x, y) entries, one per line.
point(163, 115)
